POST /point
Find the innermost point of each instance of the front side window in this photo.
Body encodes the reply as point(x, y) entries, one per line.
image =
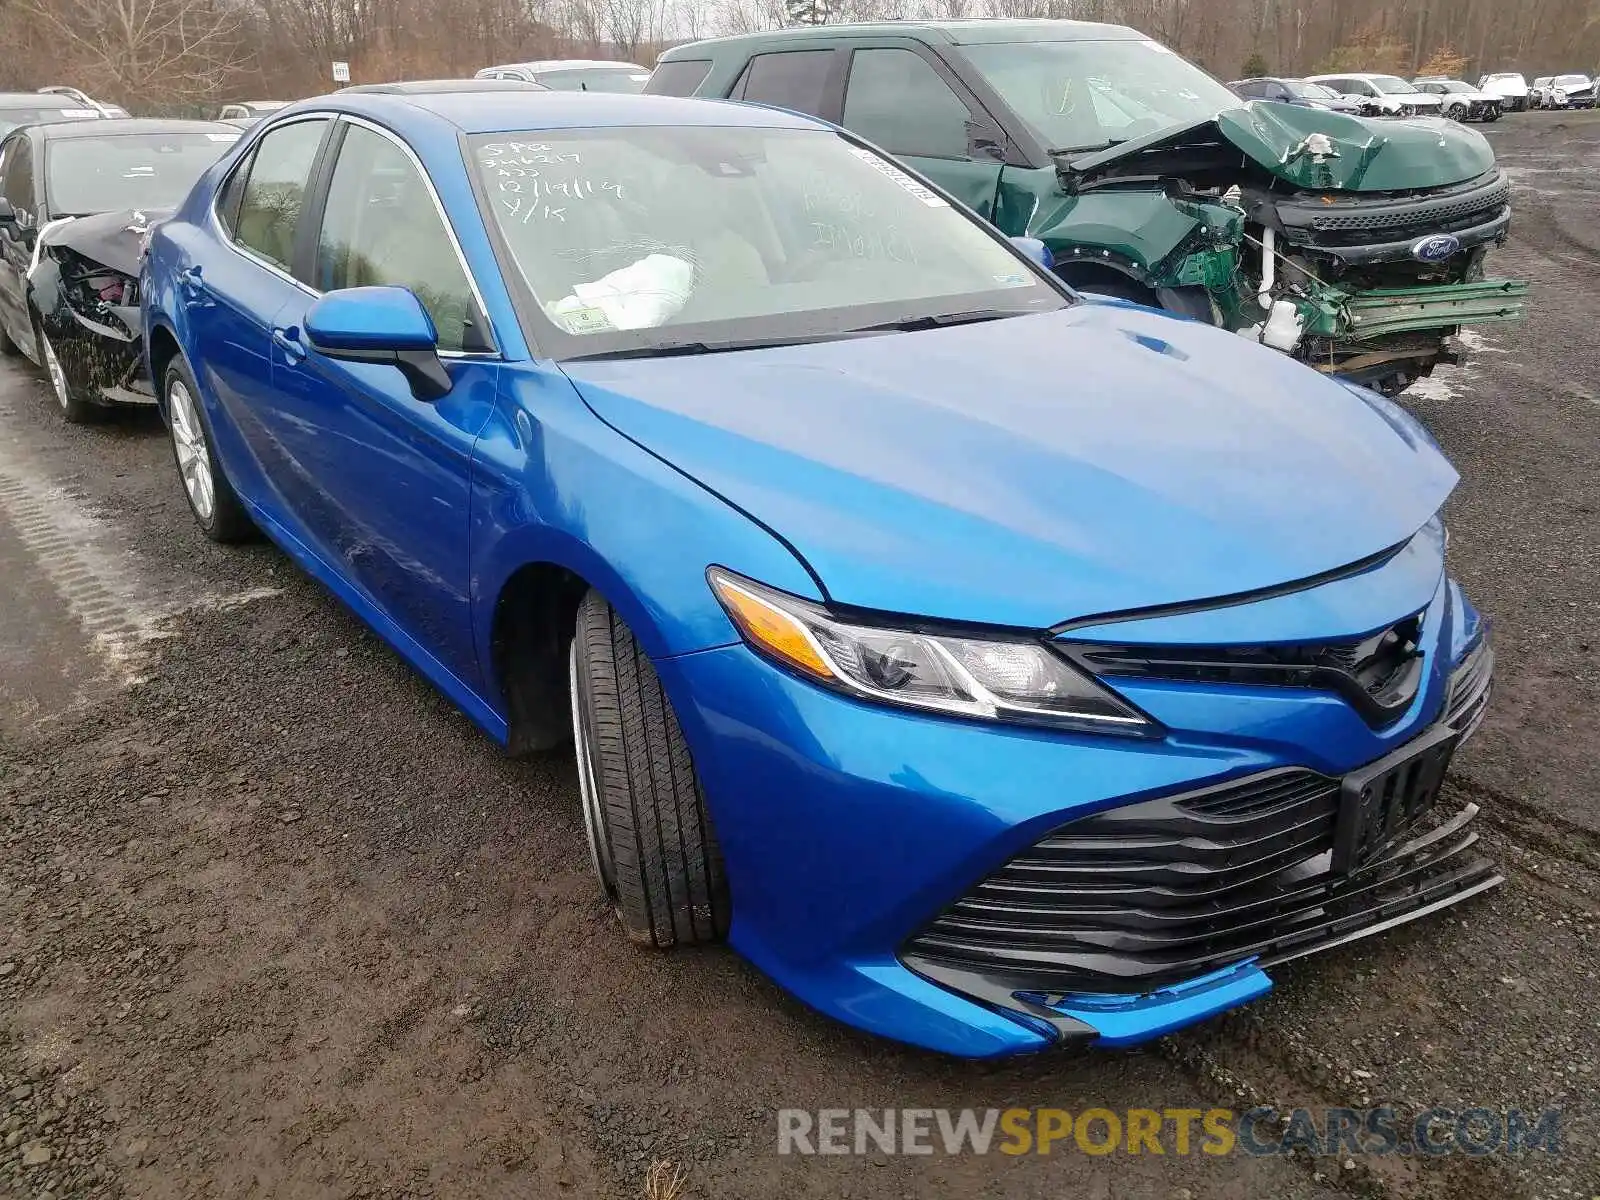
point(18, 186)
point(796, 80)
point(1086, 95)
point(85, 175)
point(381, 227)
point(680, 77)
point(275, 190)
point(896, 99)
point(638, 238)
point(1392, 85)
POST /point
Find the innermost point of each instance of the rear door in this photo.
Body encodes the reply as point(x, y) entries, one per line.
point(900, 96)
point(231, 297)
point(379, 478)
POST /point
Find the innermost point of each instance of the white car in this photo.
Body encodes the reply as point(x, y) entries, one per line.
point(1572, 91)
point(1542, 93)
point(1393, 96)
point(1462, 102)
point(575, 74)
point(1510, 86)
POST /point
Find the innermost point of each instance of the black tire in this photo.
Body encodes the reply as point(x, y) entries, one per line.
point(75, 409)
point(650, 837)
point(227, 521)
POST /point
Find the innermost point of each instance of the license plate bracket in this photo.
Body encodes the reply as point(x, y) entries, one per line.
point(1383, 798)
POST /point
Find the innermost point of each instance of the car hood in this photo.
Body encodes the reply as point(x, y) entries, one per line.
point(114, 239)
point(1031, 470)
point(1367, 155)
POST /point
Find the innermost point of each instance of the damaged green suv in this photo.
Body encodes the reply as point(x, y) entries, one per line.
point(1355, 245)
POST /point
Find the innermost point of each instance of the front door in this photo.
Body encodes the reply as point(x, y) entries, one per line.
point(381, 478)
point(906, 102)
point(16, 240)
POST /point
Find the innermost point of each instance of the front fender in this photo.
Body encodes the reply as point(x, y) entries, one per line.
point(554, 484)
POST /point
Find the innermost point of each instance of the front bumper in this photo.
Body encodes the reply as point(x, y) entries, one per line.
point(103, 362)
point(850, 831)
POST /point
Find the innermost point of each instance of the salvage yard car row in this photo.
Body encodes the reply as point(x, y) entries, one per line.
point(772, 462)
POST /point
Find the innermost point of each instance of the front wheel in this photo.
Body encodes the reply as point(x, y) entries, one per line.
point(74, 408)
point(650, 836)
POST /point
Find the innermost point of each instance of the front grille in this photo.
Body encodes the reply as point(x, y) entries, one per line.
point(1153, 893)
point(1379, 674)
point(1338, 221)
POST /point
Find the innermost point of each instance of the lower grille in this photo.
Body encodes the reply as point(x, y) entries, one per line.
point(1470, 686)
point(1150, 894)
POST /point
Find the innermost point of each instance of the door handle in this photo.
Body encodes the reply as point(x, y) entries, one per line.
point(194, 288)
point(288, 340)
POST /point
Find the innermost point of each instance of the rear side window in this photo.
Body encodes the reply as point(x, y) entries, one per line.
point(796, 80)
point(681, 77)
point(275, 190)
point(898, 100)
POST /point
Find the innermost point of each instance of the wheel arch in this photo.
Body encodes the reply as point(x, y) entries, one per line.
point(530, 623)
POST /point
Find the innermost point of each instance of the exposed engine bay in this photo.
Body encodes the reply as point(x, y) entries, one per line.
point(1371, 284)
point(85, 285)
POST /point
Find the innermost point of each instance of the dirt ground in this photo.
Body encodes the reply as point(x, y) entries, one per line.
point(275, 921)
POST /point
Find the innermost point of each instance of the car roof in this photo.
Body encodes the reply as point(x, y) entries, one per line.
point(512, 110)
point(566, 64)
point(439, 87)
point(40, 100)
point(977, 32)
point(123, 126)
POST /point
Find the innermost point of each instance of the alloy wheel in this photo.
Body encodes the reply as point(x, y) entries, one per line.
point(194, 458)
point(594, 818)
point(52, 366)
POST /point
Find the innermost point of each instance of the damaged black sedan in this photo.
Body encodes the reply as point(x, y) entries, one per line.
point(76, 201)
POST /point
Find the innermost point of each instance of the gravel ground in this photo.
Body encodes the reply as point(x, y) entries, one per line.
point(275, 920)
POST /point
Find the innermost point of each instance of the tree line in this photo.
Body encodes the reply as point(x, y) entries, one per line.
point(170, 56)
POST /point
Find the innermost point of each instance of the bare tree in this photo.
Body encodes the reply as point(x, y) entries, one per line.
point(150, 50)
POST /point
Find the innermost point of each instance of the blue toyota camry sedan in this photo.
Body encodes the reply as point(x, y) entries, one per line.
point(994, 667)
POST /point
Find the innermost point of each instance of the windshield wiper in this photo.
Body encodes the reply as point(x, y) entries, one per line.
point(940, 320)
point(1105, 145)
point(685, 349)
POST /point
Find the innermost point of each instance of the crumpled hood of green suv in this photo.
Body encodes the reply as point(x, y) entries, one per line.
point(1387, 155)
point(1360, 155)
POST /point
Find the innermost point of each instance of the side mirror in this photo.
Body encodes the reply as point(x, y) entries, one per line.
point(1036, 252)
point(380, 325)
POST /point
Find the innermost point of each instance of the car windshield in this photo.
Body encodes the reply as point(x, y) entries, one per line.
point(86, 175)
point(1313, 91)
point(595, 79)
point(630, 239)
point(1389, 84)
point(1082, 95)
point(1452, 86)
point(1504, 78)
point(1572, 80)
point(12, 118)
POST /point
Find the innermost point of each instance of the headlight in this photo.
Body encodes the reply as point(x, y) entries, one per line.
point(1010, 679)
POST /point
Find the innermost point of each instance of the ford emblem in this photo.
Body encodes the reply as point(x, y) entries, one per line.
point(1435, 248)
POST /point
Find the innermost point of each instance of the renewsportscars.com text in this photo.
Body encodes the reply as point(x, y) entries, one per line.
point(1174, 1131)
